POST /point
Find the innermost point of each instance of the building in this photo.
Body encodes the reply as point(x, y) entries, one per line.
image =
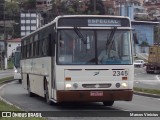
point(130, 8)
point(43, 5)
point(153, 8)
point(143, 32)
point(12, 44)
point(30, 21)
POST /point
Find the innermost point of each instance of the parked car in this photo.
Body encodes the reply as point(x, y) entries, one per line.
point(139, 63)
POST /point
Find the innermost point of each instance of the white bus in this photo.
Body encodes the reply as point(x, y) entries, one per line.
point(60, 61)
point(16, 61)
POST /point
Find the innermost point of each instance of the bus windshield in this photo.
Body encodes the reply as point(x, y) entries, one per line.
point(16, 59)
point(94, 47)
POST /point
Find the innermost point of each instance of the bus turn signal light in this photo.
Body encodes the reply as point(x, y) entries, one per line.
point(68, 78)
point(124, 78)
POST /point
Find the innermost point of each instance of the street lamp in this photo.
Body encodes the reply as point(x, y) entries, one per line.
point(5, 38)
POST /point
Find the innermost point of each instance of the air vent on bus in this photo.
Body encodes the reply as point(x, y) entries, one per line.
point(96, 85)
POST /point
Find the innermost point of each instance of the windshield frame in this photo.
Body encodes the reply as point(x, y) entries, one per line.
point(96, 47)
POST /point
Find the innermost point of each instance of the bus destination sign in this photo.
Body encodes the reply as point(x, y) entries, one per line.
point(93, 22)
point(104, 22)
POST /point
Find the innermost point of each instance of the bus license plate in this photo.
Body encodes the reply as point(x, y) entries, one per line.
point(96, 93)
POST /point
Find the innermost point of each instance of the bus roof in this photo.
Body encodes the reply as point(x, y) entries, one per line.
point(75, 16)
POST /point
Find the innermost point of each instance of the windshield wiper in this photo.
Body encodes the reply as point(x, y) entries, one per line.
point(110, 39)
point(77, 31)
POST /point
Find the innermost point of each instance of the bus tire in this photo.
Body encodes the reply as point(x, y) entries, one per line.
point(48, 101)
point(108, 103)
point(20, 81)
point(29, 89)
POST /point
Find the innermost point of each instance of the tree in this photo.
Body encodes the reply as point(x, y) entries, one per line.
point(99, 7)
point(12, 12)
point(144, 44)
point(28, 5)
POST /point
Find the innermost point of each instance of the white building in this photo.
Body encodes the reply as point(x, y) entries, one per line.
point(30, 22)
point(12, 44)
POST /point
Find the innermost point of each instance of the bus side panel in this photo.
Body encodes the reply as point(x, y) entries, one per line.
point(37, 70)
point(37, 84)
point(24, 80)
point(23, 74)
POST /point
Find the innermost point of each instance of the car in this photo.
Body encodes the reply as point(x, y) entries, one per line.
point(139, 63)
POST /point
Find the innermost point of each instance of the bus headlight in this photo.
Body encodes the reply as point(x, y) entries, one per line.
point(124, 85)
point(68, 86)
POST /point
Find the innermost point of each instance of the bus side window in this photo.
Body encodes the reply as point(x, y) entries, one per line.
point(32, 49)
point(44, 46)
point(50, 45)
point(36, 49)
point(27, 50)
point(41, 47)
point(52, 39)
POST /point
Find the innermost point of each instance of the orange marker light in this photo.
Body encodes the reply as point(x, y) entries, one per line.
point(68, 78)
point(124, 78)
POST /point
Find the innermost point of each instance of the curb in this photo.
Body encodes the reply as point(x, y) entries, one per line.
point(146, 94)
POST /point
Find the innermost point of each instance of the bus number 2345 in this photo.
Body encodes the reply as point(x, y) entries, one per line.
point(120, 73)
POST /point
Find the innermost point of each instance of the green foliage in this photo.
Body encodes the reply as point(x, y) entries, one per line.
point(99, 7)
point(6, 107)
point(10, 64)
point(144, 44)
point(12, 9)
point(151, 91)
point(28, 5)
point(77, 7)
point(5, 79)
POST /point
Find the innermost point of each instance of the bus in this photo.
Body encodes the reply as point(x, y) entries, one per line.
point(16, 61)
point(60, 61)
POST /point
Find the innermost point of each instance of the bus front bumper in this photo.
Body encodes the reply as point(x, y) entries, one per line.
point(94, 96)
point(17, 76)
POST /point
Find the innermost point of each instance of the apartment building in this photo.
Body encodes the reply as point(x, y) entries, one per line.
point(30, 22)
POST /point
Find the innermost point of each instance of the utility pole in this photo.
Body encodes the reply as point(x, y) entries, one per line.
point(5, 37)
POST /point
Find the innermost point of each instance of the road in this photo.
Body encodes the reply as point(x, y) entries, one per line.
point(15, 94)
point(144, 80)
point(6, 73)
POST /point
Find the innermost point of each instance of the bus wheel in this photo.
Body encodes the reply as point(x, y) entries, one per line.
point(47, 94)
point(20, 80)
point(29, 89)
point(108, 103)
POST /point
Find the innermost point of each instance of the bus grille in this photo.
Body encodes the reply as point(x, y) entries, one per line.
point(96, 85)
